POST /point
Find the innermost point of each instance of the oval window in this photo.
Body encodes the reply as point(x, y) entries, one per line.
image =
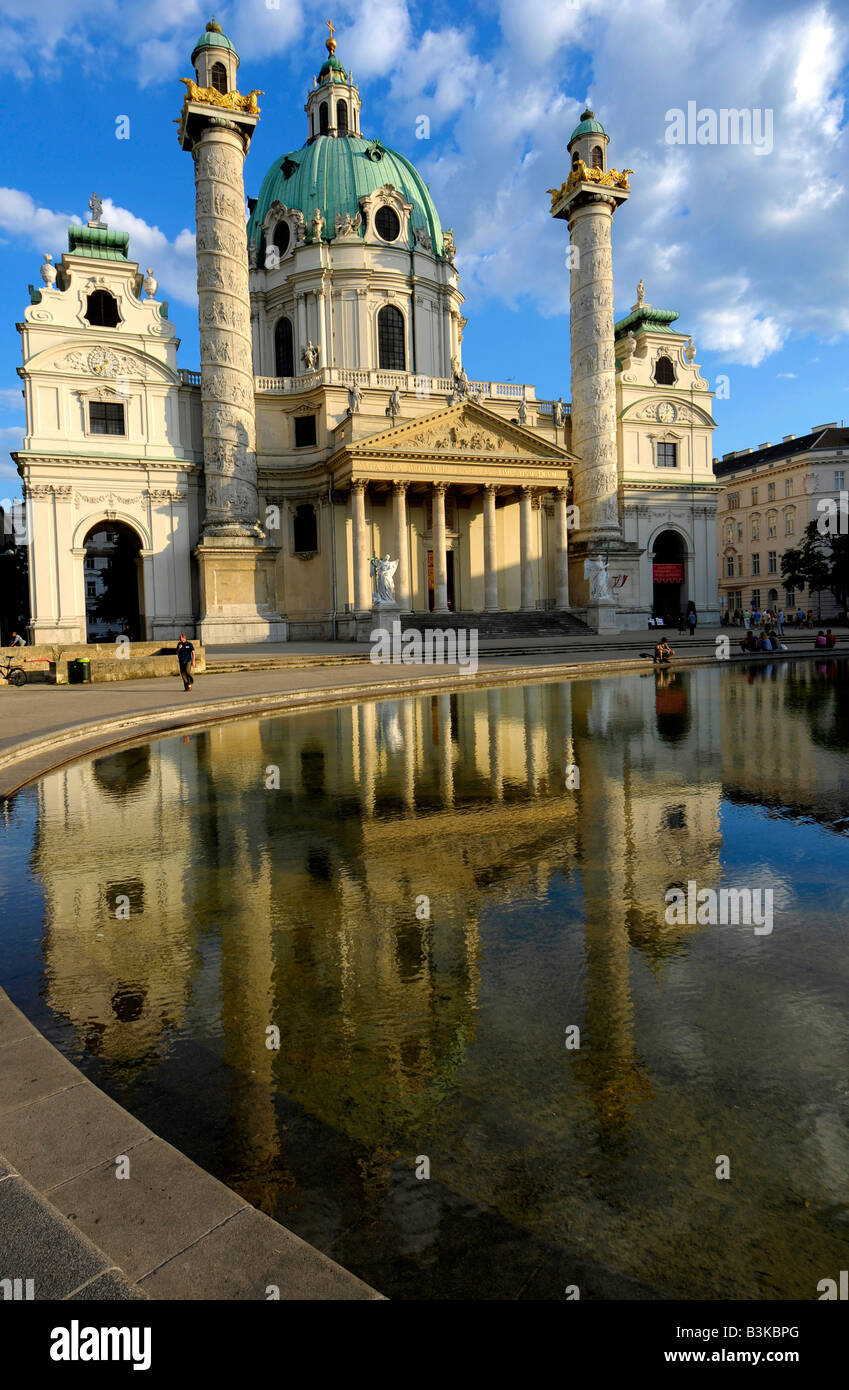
point(387, 224)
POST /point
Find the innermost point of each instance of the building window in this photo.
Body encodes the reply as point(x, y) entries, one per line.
point(756, 528)
point(667, 455)
point(284, 348)
point(756, 564)
point(282, 237)
point(305, 436)
point(305, 527)
point(597, 157)
point(754, 497)
point(219, 77)
point(104, 417)
point(790, 598)
point(729, 567)
point(789, 523)
point(788, 487)
point(772, 561)
point(387, 224)
point(733, 501)
point(91, 589)
point(770, 492)
point(772, 524)
point(392, 356)
point(839, 481)
point(322, 118)
point(102, 309)
point(756, 598)
point(342, 117)
point(664, 372)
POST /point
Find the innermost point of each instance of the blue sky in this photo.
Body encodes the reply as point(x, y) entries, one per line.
point(751, 249)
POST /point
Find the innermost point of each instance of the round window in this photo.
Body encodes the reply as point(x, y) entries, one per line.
point(282, 237)
point(387, 224)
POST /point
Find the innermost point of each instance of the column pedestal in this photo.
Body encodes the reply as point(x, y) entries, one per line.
point(238, 586)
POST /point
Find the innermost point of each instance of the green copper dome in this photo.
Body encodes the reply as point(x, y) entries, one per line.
point(212, 37)
point(332, 174)
point(332, 71)
point(589, 126)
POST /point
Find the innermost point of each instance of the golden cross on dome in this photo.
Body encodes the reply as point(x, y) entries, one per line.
point(331, 42)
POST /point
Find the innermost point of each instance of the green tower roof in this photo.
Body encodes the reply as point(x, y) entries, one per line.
point(332, 173)
point(644, 316)
point(101, 243)
point(588, 126)
point(212, 37)
point(332, 71)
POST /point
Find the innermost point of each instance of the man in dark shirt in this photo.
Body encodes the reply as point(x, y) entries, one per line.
point(186, 658)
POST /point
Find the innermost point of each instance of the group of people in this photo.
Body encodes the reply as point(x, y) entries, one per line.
point(687, 622)
point(751, 618)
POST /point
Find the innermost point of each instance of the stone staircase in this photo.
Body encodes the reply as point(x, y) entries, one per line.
point(531, 624)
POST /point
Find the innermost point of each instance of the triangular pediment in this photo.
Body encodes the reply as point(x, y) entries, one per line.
point(466, 428)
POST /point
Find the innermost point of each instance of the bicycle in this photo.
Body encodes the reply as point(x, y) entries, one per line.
point(15, 675)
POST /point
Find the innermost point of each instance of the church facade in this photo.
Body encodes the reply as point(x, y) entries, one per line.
point(332, 421)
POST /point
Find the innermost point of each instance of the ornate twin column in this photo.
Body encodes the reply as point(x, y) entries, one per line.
point(490, 550)
point(362, 575)
point(402, 574)
point(526, 568)
point(440, 563)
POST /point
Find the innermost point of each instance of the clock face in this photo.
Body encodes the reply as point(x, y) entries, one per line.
point(103, 363)
point(666, 412)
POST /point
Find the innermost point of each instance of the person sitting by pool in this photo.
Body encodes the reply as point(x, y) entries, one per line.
point(830, 639)
point(749, 643)
point(663, 653)
point(820, 642)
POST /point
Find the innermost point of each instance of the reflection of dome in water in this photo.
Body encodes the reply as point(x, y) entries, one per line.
point(123, 772)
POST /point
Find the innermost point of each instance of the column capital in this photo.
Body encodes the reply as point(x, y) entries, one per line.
point(399, 487)
point(562, 492)
point(491, 487)
point(359, 484)
point(440, 488)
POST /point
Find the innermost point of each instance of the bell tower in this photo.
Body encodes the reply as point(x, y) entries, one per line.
point(237, 578)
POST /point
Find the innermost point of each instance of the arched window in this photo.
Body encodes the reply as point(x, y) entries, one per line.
point(664, 372)
point(597, 157)
point(102, 309)
point(575, 158)
point(284, 348)
point(341, 118)
point(282, 237)
point(305, 528)
point(219, 77)
point(322, 118)
point(392, 356)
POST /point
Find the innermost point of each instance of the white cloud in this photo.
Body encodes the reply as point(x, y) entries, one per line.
point(740, 334)
point(11, 401)
point(786, 376)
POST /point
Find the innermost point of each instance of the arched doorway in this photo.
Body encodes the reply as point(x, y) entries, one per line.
point(113, 582)
point(669, 576)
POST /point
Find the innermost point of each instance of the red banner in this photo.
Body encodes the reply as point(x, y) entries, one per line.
point(668, 574)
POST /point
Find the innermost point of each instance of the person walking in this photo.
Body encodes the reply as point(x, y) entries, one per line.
point(780, 622)
point(186, 658)
point(692, 618)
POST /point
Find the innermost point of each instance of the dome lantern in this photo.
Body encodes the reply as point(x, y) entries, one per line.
point(589, 141)
point(333, 105)
point(215, 60)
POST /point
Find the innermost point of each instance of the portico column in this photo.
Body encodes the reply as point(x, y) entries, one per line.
point(561, 550)
point(440, 564)
point(490, 551)
point(362, 580)
point(402, 578)
point(526, 567)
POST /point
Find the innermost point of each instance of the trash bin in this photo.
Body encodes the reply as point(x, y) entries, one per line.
point(79, 670)
point(74, 676)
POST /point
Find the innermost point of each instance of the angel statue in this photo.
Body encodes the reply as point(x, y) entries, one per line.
point(383, 574)
point(595, 570)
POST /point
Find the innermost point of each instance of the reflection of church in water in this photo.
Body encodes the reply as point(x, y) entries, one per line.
point(299, 902)
point(333, 420)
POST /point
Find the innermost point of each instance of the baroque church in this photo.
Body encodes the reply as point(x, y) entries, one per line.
point(333, 422)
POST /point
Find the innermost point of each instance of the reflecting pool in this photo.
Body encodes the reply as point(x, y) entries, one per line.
point(500, 1070)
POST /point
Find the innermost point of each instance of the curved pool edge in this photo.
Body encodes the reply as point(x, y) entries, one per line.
point(166, 1230)
point(44, 753)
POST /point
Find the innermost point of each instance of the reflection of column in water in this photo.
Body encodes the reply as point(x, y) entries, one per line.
point(446, 751)
point(534, 761)
point(367, 729)
point(248, 1006)
point(496, 754)
point(562, 721)
point(408, 728)
point(607, 1063)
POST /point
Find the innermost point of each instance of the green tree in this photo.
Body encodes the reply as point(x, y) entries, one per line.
point(820, 564)
point(14, 583)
